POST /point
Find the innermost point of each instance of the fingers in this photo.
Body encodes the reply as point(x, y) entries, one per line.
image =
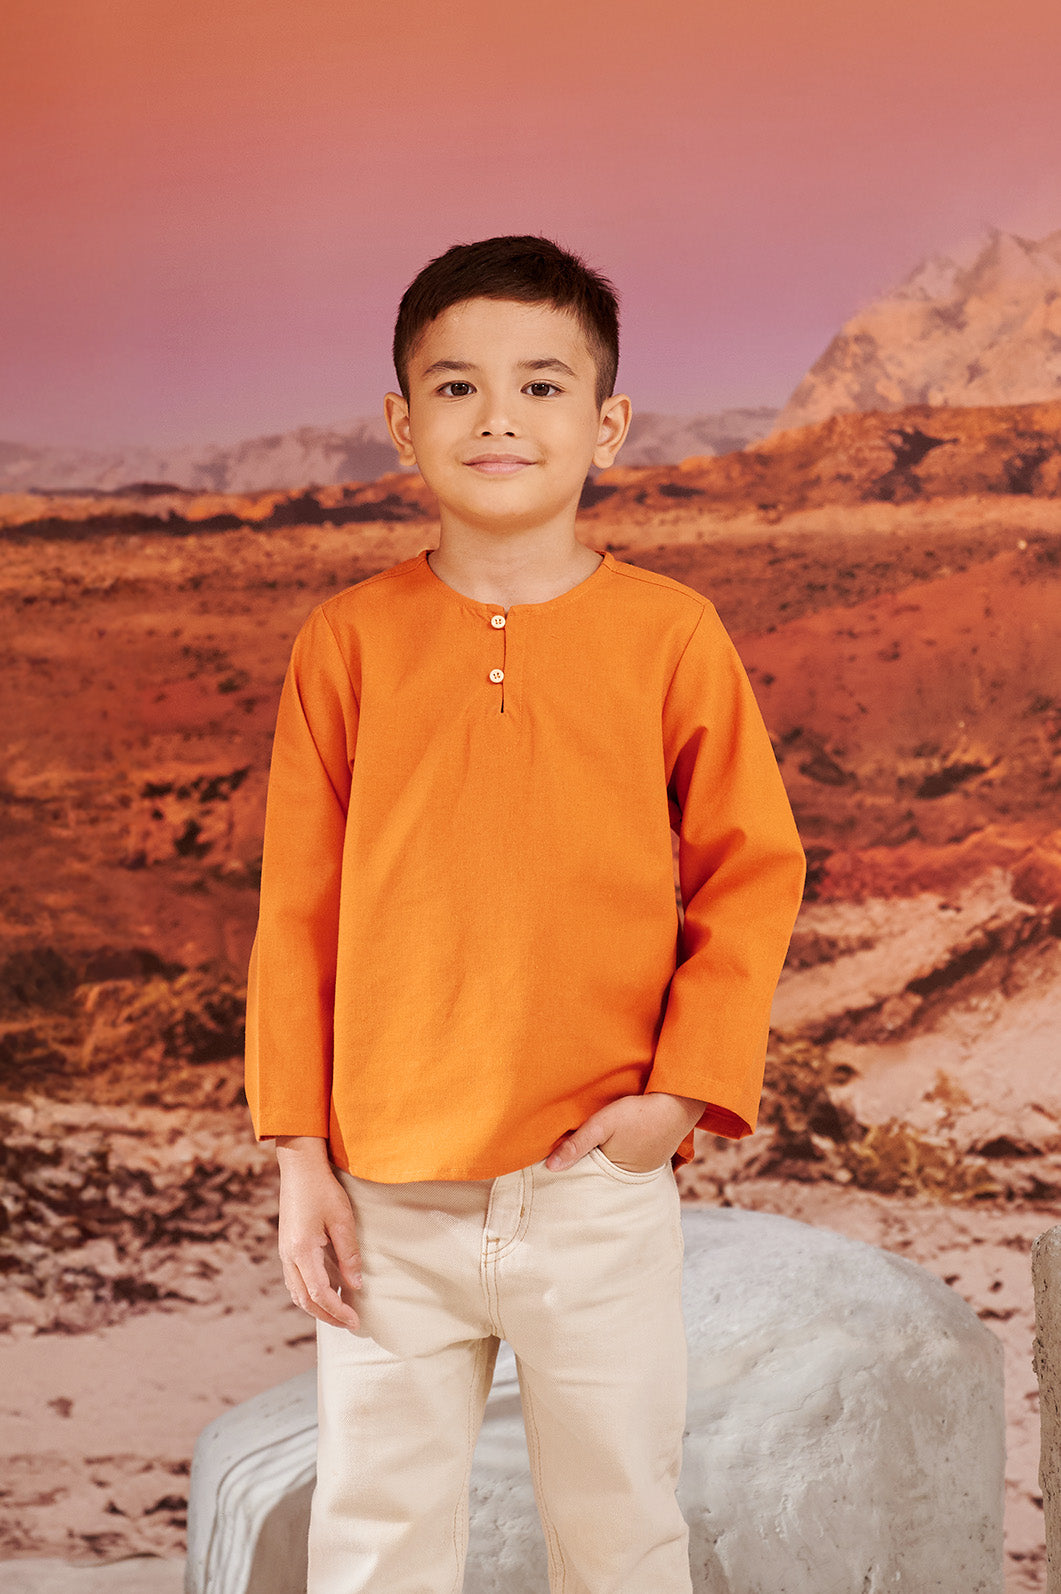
point(311, 1289)
point(318, 1243)
point(575, 1145)
point(343, 1234)
point(564, 1153)
point(634, 1122)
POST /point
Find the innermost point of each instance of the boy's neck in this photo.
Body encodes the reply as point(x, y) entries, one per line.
point(529, 567)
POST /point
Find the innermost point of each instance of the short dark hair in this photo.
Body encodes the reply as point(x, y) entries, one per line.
point(528, 268)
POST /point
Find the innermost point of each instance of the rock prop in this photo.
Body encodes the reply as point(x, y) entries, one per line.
point(1046, 1273)
point(845, 1434)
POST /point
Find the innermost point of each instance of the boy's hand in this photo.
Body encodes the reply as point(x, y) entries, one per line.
point(318, 1236)
point(635, 1132)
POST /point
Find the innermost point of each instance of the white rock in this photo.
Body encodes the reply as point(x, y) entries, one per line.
point(845, 1436)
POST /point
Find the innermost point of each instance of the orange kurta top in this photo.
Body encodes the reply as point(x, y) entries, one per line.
point(468, 939)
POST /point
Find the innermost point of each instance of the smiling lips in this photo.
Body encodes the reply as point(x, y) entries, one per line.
point(498, 464)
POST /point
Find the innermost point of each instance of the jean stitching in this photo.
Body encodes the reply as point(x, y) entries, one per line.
point(490, 1286)
point(624, 1175)
point(557, 1564)
point(460, 1512)
point(503, 1248)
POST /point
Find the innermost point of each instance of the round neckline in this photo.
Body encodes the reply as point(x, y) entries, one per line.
point(480, 608)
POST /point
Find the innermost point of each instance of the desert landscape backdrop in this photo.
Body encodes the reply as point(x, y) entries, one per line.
point(891, 574)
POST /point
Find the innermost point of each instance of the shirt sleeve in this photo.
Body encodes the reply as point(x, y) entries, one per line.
point(741, 870)
point(291, 974)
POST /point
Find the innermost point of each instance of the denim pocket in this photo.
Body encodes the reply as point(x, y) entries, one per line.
point(626, 1175)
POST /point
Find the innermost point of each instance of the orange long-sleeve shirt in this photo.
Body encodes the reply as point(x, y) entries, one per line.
point(468, 939)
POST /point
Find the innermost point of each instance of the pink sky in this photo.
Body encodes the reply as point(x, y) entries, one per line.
point(210, 208)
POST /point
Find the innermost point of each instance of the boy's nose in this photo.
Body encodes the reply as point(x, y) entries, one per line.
point(495, 418)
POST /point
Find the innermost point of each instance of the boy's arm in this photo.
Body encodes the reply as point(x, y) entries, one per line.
point(291, 977)
point(741, 869)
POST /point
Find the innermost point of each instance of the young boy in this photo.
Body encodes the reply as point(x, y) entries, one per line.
point(476, 1027)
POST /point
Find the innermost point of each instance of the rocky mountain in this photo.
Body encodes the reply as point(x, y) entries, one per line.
point(929, 453)
point(307, 456)
point(979, 327)
point(656, 439)
point(313, 456)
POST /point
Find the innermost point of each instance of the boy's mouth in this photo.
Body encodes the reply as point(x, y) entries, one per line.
point(498, 464)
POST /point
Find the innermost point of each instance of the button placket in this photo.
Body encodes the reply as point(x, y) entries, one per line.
point(497, 675)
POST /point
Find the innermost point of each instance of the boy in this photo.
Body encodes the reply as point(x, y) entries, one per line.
point(475, 1026)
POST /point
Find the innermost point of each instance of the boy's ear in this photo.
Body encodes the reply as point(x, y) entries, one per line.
point(614, 425)
point(396, 414)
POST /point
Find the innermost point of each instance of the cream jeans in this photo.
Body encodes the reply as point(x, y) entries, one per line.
point(580, 1271)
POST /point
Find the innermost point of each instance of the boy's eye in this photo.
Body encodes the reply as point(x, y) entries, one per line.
point(458, 382)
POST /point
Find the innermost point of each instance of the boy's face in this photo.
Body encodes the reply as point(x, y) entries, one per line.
point(495, 377)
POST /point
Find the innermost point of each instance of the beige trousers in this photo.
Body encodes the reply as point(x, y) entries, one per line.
point(580, 1271)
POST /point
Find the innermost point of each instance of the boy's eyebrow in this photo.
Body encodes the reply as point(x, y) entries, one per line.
point(550, 363)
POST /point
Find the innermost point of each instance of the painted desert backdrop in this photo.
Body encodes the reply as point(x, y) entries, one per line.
point(887, 555)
